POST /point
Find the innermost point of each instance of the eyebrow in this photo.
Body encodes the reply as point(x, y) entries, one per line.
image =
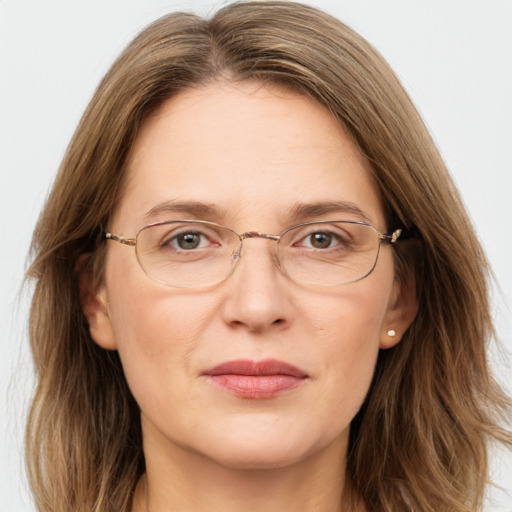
point(314, 210)
point(194, 209)
point(298, 212)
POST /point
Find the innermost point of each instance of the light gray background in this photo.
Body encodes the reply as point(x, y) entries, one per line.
point(454, 57)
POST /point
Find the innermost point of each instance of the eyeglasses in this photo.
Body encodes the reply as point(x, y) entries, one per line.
point(199, 253)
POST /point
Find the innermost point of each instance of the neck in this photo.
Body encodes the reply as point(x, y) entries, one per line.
point(178, 479)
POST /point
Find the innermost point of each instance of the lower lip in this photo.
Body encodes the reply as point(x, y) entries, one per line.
point(256, 386)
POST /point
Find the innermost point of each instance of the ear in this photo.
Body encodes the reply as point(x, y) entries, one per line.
point(402, 309)
point(93, 299)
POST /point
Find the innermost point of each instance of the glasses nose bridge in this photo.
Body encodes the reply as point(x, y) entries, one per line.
point(259, 234)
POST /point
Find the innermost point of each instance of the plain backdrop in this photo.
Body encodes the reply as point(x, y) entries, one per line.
point(453, 56)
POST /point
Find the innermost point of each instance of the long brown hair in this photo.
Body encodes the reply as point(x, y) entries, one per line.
point(420, 441)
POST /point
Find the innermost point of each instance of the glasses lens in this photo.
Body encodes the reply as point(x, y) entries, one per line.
point(187, 254)
point(329, 253)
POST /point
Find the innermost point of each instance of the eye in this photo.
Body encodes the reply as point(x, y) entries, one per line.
point(321, 240)
point(188, 241)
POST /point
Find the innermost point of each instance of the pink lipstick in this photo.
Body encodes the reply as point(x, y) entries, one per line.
point(256, 379)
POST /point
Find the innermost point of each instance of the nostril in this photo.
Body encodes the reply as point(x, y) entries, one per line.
point(256, 327)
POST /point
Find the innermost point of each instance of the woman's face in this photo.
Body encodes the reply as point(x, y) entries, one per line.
point(249, 157)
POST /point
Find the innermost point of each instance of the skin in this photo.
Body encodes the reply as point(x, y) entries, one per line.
point(254, 152)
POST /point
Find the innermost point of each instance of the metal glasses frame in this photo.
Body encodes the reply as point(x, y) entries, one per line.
point(391, 237)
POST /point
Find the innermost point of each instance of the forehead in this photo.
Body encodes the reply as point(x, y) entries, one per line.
point(252, 151)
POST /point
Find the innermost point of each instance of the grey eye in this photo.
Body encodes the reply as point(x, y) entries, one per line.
point(187, 241)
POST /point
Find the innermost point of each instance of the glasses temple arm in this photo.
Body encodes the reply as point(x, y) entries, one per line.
point(398, 235)
point(121, 240)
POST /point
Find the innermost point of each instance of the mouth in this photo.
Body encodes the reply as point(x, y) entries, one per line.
point(256, 379)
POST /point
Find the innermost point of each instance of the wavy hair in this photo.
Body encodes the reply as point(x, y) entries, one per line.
point(420, 441)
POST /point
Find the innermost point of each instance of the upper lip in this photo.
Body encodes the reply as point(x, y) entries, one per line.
point(256, 368)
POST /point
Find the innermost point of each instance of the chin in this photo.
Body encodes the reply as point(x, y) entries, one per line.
point(258, 457)
point(262, 449)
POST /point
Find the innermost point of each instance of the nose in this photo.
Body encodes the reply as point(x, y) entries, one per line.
point(257, 292)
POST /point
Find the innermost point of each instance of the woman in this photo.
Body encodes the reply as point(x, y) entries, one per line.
point(257, 288)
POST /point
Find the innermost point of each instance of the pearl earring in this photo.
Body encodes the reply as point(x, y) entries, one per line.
point(391, 333)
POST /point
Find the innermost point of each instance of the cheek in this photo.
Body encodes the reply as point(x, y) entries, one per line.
point(145, 313)
point(348, 328)
point(350, 322)
point(156, 331)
